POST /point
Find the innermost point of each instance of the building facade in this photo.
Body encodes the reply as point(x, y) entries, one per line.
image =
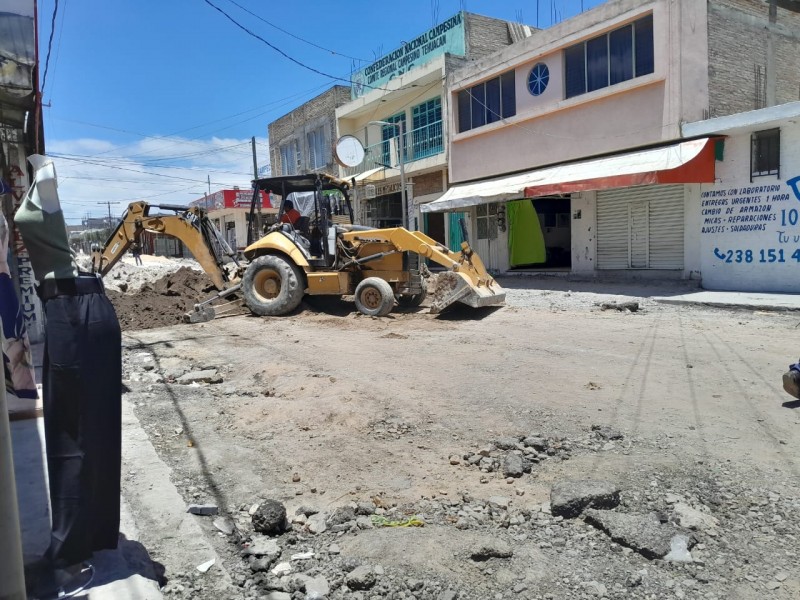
point(398, 112)
point(302, 140)
point(20, 137)
point(566, 149)
point(229, 211)
point(748, 219)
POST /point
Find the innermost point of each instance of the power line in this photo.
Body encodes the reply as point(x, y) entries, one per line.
point(294, 60)
point(277, 103)
point(278, 50)
point(100, 164)
point(49, 46)
point(297, 37)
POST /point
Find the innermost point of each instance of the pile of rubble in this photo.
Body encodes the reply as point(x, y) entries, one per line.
point(705, 538)
point(163, 301)
point(512, 457)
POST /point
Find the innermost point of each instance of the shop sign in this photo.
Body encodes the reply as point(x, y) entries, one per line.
point(389, 188)
point(750, 235)
point(447, 37)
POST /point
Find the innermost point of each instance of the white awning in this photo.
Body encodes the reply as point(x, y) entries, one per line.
point(371, 174)
point(684, 162)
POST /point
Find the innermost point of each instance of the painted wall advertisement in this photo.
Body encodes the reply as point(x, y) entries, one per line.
point(750, 236)
point(447, 37)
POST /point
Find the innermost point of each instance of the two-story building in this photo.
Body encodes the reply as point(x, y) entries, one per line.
point(229, 210)
point(401, 97)
point(301, 140)
point(566, 149)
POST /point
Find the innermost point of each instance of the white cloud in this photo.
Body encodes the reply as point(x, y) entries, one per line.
point(92, 172)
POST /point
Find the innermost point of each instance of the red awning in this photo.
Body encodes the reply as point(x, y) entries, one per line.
point(687, 162)
point(683, 162)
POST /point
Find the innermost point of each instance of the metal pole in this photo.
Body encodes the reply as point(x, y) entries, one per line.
point(256, 197)
point(405, 220)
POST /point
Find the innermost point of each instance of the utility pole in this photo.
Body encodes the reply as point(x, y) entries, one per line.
point(257, 227)
point(109, 203)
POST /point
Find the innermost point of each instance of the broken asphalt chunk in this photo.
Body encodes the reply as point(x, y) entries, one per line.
point(569, 498)
point(643, 533)
point(203, 510)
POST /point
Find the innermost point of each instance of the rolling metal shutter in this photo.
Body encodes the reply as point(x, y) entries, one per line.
point(620, 231)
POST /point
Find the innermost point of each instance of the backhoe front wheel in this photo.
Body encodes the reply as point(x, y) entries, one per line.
point(374, 297)
point(272, 286)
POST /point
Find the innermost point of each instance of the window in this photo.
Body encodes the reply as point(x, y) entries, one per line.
point(290, 158)
point(426, 136)
point(617, 56)
point(388, 133)
point(486, 221)
point(487, 102)
point(538, 79)
point(765, 153)
point(317, 149)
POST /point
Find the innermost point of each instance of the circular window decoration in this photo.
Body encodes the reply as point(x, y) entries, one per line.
point(538, 79)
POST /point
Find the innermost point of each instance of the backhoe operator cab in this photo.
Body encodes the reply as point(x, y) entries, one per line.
point(325, 253)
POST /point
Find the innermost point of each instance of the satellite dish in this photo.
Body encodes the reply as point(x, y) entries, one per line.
point(349, 151)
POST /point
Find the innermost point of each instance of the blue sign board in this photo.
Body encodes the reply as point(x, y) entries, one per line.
point(447, 37)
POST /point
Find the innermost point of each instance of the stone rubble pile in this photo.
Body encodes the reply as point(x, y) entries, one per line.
point(619, 543)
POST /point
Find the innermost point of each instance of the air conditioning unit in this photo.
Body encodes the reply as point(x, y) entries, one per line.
point(369, 191)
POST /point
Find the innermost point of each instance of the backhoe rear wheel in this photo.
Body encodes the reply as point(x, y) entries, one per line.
point(374, 297)
point(272, 286)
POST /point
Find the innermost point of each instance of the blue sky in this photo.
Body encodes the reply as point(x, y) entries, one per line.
point(151, 100)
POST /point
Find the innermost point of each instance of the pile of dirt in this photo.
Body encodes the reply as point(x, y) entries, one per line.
point(164, 302)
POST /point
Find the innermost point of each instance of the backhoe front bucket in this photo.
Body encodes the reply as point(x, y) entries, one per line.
point(458, 287)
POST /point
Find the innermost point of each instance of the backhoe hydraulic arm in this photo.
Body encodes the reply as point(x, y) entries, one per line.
point(189, 224)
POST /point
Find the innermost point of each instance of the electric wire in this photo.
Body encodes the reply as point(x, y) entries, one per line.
point(297, 37)
point(101, 164)
point(291, 58)
point(49, 46)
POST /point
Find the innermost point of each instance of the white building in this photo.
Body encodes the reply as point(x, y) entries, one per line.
point(748, 220)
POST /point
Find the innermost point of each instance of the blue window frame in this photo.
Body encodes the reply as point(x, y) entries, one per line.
point(538, 79)
point(622, 54)
point(487, 102)
point(426, 135)
point(388, 133)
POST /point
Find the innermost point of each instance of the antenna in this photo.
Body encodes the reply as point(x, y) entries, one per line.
point(434, 12)
point(518, 15)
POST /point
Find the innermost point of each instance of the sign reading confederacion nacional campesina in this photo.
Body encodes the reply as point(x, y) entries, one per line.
point(447, 37)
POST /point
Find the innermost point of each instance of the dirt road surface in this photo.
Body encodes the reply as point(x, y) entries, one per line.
point(372, 421)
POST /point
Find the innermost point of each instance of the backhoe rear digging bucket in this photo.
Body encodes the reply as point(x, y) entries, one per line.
point(457, 287)
point(200, 314)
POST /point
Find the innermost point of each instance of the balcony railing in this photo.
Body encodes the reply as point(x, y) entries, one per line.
point(419, 143)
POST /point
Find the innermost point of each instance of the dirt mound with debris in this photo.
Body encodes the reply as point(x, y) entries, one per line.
point(163, 302)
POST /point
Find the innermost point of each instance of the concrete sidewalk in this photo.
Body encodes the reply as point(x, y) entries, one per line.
point(741, 300)
point(126, 572)
point(665, 291)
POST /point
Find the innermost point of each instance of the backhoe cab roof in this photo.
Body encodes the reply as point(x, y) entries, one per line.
point(300, 183)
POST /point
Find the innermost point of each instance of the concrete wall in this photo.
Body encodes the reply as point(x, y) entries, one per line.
point(741, 40)
point(766, 258)
point(551, 128)
point(317, 112)
point(427, 184)
point(584, 238)
point(485, 35)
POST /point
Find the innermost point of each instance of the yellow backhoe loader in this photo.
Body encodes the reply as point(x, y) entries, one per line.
point(324, 253)
point(321, 253)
